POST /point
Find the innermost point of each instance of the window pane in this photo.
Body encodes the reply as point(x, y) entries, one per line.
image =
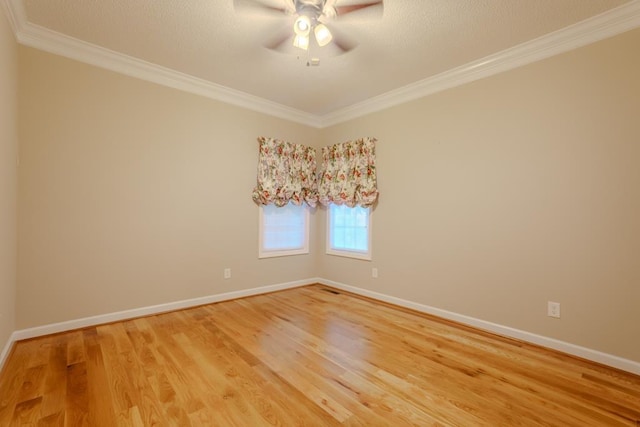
point(283, 231)
point(349, 228)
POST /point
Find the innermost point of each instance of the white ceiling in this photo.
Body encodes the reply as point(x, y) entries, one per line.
point(415, 45)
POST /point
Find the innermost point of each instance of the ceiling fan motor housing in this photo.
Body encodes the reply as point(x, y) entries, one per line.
point(309, 9)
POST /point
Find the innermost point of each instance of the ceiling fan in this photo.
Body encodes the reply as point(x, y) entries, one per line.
point(311, 18)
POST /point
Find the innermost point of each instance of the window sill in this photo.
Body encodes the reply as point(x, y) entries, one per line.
point(365, 256)
point(275, 254)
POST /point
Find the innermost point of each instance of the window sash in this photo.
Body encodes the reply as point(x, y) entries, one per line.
point(349, 232)
point(283, 231)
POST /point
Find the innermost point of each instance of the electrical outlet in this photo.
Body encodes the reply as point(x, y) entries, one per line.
point(553, 309)
point(374, 272)
point(227, 273)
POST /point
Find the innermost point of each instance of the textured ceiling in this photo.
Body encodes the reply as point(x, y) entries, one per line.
point(208, 39)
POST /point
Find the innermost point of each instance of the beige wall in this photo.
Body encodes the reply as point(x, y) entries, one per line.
point(496, 196)
point(133, 194)
point(8, 178)
point(502, 194)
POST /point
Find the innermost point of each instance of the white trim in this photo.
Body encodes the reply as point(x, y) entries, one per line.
point(50, 41)
point(599, 27)
point(150, 310)
point(572, 349)
point(13, 14)
point(565, 347)
point(6, 350)
point(608, 24)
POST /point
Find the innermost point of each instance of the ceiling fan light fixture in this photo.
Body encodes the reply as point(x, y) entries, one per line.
point(301, 41)
point(323, 35)
point(302, 26)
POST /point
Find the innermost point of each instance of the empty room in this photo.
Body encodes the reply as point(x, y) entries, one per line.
point(320, 212)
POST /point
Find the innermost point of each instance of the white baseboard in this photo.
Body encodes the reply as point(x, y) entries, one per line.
point(146, 311)
point(583, 352)
point(6, 350)
point(572, 349)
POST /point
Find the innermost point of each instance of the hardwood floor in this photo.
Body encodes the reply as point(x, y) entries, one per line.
point(308, 356)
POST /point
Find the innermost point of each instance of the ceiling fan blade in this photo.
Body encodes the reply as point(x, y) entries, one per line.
point(345, 46)
point(281, 43)
point(269, 8)
point(342, 42)
point(343, 10)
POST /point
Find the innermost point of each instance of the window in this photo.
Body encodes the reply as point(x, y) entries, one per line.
point(349, 231)
point(283, 231)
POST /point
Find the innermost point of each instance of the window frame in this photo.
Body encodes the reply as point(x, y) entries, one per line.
point(362, 255)
point(271, 253)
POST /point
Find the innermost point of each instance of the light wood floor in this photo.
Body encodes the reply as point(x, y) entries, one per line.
point(308, 356)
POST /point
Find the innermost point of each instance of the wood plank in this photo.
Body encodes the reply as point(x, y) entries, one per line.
point(100, 391)
point(55, 386)
point(77, 396)
point(305, 356)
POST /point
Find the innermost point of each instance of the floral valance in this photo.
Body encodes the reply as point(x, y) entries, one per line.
point(286, 173)
point(348, 174)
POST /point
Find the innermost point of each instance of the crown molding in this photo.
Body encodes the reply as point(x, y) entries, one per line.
point(608, 24)
point(50, 41)
point(599, 27)
point(11, 11)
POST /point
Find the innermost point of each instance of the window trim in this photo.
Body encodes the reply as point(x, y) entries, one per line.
point(265, 253)
point(366, 256)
